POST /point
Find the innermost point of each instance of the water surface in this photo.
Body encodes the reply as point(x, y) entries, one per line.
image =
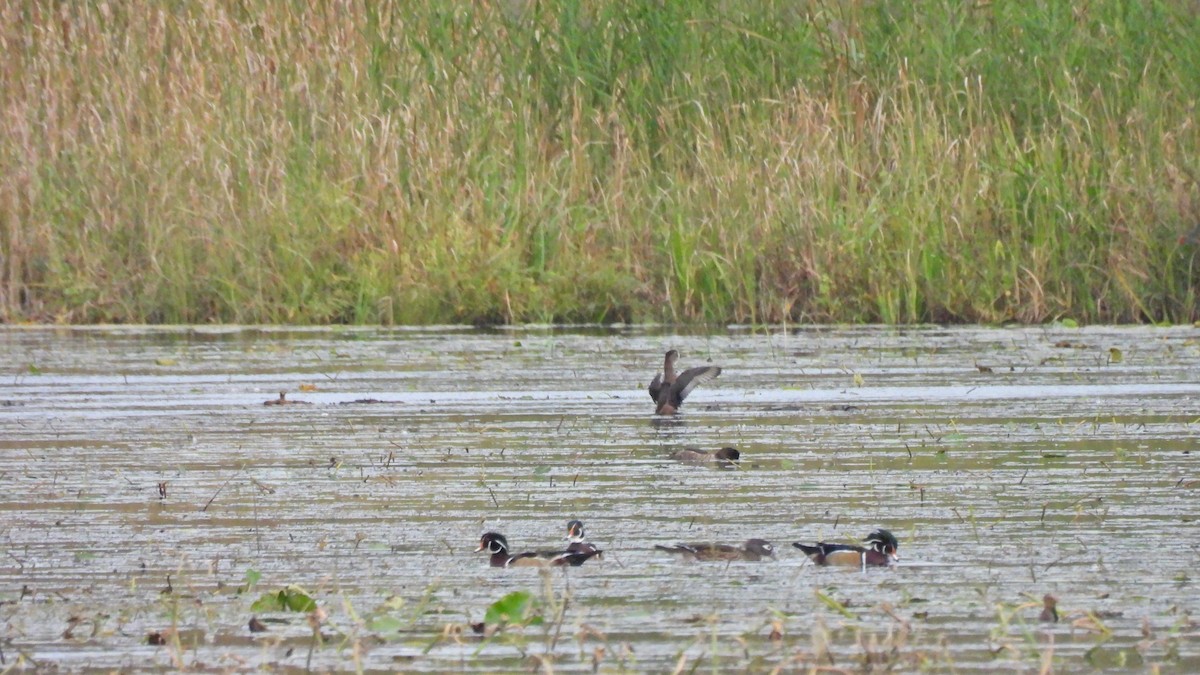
point(143, 479)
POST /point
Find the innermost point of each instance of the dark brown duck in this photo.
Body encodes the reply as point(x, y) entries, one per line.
point(753, 549)
point(725, 458)
point(668, 389)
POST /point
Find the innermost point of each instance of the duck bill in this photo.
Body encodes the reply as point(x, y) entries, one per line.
point(894, 557)
point(479, 548)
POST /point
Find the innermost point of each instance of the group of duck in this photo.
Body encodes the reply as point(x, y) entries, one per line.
point(668, 390)
point(882, 549)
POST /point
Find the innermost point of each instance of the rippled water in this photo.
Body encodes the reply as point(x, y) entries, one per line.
point(143, 478)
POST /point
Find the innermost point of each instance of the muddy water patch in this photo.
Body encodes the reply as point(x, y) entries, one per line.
point(145, 484)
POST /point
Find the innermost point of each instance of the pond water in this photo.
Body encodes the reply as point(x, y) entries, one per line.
point(149, 496)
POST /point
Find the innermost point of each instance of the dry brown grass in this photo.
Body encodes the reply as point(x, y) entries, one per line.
point(504, 162)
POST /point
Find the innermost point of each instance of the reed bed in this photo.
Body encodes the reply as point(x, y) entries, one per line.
point(616, 160)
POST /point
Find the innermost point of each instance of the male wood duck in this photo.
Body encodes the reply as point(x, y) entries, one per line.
point(753, 549)
point(725, 458)
point(577, 540)
point(497, 545)
point(882, 551)
point(669, 390)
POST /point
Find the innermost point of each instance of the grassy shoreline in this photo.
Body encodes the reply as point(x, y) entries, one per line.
point(269, 162)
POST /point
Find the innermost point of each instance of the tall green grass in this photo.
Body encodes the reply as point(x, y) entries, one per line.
point(514, 160)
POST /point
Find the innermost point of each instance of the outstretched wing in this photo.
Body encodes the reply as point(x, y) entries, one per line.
point(690, 379)
point(656, 386)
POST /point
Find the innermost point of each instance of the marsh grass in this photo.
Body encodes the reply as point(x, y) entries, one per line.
point(513, 161)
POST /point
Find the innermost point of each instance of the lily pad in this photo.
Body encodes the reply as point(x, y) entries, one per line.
point(290, 599)
point(512, 608)
point(385, 624)
point(250, 580)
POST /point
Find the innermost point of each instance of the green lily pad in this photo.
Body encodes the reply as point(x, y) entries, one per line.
point(385, 624)
point(512, 608)
point(290, 599)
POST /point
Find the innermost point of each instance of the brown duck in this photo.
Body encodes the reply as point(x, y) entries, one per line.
point(753, 549)
point(668, 390)
point(1049, 609)
point(725, 458)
